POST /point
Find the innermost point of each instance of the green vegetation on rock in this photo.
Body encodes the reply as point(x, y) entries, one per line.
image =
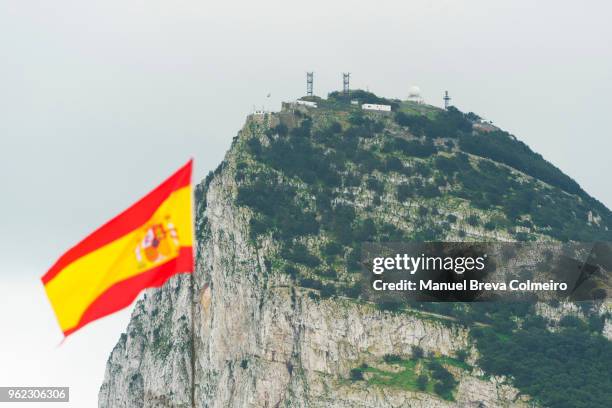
point(569, 368)
point(418, 373)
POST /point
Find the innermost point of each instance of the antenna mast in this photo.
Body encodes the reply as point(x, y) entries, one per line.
point(446, 100)
point(309, 81)
point(346, 76)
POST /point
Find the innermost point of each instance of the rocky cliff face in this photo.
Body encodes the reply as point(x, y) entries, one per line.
point(262, 343)
point(261, 340)
point(151, 364)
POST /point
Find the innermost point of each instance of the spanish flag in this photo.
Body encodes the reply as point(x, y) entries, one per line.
point(140, 248)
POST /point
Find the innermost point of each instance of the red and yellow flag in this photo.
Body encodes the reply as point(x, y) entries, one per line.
point(140, 248)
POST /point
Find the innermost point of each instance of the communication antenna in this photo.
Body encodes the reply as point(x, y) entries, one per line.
point(309, 80)
point(446, 100)
point(346, 76)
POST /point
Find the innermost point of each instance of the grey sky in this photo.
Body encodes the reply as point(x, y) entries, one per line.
point(101, 100)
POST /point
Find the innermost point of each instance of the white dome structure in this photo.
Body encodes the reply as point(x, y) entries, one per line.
point(414, 94)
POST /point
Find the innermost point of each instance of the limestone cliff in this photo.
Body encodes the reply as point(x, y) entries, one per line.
point(265, 338)
point(261, 342)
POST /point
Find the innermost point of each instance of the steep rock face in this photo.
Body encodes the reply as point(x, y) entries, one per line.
point(261, 344)
point(151, 364)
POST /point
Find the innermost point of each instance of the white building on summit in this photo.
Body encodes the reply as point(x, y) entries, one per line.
point(376, 107)
point(306, 103)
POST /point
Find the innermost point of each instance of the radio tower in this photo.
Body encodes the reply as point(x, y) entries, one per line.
point(446, 100)
point(346, 76)
point(309, 78)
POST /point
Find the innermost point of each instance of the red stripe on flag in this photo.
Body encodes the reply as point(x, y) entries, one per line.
point(124, 223)
point(122, 294)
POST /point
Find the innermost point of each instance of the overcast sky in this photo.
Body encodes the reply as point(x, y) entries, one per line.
point(101, 100)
